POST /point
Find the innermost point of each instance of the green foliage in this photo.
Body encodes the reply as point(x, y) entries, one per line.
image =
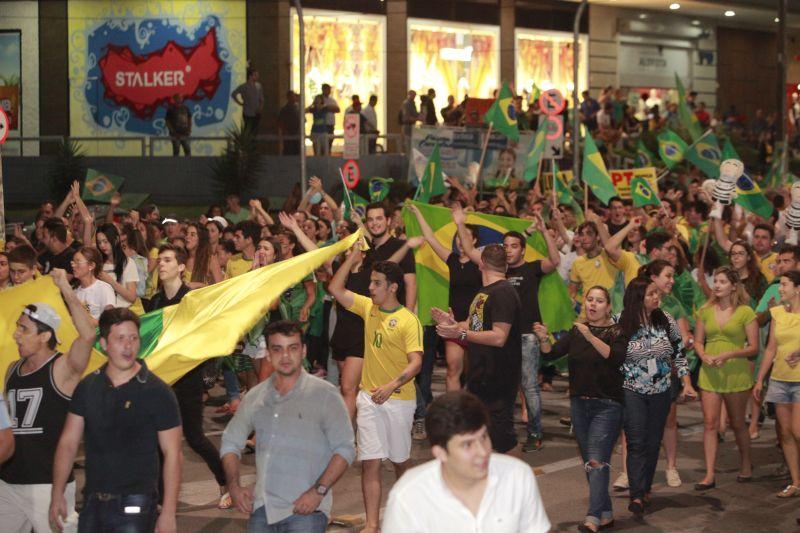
point(69, 165)
point(234, 171)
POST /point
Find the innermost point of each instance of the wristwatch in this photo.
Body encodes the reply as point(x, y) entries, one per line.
point(462, 335)
point(321, 489)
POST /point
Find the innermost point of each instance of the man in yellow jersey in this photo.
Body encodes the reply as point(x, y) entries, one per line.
point(245, 237)
point(392, 357)
point(593, 267)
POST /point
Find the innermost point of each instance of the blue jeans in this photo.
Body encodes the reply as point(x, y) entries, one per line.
point(530, 383)
point(597, 423)
point(645, 416)
point(315, 522)
point(231, 384)
point(134, 513)
point(422, 383)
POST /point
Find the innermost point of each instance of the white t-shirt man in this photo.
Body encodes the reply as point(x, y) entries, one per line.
point(129, 275)
point(421, 502)
point(97, 297)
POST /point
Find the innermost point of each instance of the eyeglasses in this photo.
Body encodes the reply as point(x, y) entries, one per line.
point(73, 262)
point(738, 254)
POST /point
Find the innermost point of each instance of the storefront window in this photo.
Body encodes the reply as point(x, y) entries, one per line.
point(453, 59)
point(546, 59)
point(346, 51)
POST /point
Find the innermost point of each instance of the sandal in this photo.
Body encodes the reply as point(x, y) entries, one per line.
point(225, 501)
point(789, 492)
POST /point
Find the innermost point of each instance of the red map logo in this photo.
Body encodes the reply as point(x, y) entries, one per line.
point(143, 83)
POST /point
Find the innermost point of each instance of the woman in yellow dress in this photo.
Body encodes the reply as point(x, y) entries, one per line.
point(783, 355)
point(726, 334)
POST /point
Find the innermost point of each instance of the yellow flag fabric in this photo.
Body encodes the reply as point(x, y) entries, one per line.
point(207, 323)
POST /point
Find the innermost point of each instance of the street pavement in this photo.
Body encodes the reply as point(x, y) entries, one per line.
point(559, 472)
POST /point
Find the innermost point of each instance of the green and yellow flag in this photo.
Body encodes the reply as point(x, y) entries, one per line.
point(728, 151)
point(536, 151)
point(642, 193)
point(644, 157)
point(688, 119)
point(100, 186)
point(379, 188)
point(354, 202)
point(433, 275)
point(563, 193)
point(502, 115)
point(750, 197)
point(207, 323)
point(594, 173)
point(705, 155)
point(432, 182)
point(671, 148)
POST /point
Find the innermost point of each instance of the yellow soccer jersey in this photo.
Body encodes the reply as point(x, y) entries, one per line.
point(588, 272)
point(237, 265)
point(389, 336)
point(767, 265)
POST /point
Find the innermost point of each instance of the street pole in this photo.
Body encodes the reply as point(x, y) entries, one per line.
point(576, 123)
point(302, 44)
point(783, 12)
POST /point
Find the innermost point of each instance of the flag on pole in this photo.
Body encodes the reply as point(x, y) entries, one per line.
point(750, 197)
point(594, 173)
point(728, 151)
point(432, 183)
point(706, 155)
point(642, 193)
point(773, 177)
point(671, 148)
point(207, 323)
point(563, 193)
point(354, 202)
point(502, 115)
point(686, 116)
point(536, 151)
point(379, 188)
point(644, 157)
point(535, 94)
point(433, 274)
point(100, 186)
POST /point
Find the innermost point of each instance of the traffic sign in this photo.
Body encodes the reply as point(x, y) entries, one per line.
point(5, 126)
point(552, 102)
point(554, 140)
point(351, 135)
point(351, 173)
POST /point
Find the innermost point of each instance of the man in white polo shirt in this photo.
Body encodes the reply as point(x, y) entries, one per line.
point(466, 487)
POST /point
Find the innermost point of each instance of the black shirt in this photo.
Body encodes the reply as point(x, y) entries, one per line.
point(590, 374)
point(121, 426)
point(525, 279)
point(383, 253)
point(495, 370)
point(615, 228)
point(48, 260)
point(465, 281)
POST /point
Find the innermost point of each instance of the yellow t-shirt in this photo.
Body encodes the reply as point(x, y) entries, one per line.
point(787, 325)
point(767, 265)
point(628, 264)
point(237, 265)
point(389, 336)
point(589, 272)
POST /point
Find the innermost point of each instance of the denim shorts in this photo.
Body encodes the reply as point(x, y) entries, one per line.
point(783, 391)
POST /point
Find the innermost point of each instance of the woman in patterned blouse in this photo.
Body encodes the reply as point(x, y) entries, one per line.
point(652, 345)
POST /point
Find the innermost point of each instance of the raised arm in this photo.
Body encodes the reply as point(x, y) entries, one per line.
point(719, 234)
point(68, 373)
point(315, 184)
point(553, 257)
point(613, 245)
point(460, 218)
point(427, 233)
point(259, 211)
point(289, 222)
point(602, 229)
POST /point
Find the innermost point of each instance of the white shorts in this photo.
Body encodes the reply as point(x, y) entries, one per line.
point(384, 431)
point(23, 507)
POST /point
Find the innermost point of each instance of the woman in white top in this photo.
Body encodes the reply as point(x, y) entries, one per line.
point(118, 270)
point(96, 295)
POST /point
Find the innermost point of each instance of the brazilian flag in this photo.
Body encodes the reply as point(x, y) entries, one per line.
point(706, 155)
point(502, 115)
point(563, 193)
point(379, 188)
point(432, 182)
point(671, 148)
point(728, 151)
point(536, 152)
point(644, 157)
point(433, 276)
point(750, 197)
point(100, 186)
point(686, 116)
point(642, 193)
point(353, 202)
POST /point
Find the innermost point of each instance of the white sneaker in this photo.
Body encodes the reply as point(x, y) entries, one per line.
point(673, 478)
point(622, 482)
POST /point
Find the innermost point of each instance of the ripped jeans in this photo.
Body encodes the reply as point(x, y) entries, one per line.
point(597, 423)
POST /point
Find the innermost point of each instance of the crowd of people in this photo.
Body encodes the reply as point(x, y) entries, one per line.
point(685, 301)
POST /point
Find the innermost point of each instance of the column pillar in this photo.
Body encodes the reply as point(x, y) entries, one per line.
point(507, 43)
point(396, 62)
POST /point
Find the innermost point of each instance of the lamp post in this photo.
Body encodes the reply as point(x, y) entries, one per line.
point(302, 44)
point(576, 123)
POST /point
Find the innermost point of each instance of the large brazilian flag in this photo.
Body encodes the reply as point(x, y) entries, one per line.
point(433, 277)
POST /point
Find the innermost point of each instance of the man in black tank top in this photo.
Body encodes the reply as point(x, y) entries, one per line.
point(38, 389)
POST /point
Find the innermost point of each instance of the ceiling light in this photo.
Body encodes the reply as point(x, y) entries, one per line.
point(695, 22)
point(730, 13)
point(777, 19)
point(675, 5)
point(642, 16)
